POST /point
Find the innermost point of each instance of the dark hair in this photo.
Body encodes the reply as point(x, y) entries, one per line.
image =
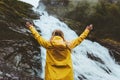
point(57, 33)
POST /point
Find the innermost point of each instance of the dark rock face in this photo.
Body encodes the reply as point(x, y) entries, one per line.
point(19, 58)
point(19, 52)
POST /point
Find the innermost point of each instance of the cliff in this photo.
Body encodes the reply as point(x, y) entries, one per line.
point(18, 50)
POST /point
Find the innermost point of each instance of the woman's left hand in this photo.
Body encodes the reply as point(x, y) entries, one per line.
point(28, 24)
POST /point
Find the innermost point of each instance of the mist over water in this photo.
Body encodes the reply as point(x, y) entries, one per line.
point(91, 61)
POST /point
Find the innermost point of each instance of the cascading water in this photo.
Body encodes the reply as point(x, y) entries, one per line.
point(91, 61)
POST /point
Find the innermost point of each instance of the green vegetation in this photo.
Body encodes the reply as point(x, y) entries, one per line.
point(15, 11)
point(105, 16)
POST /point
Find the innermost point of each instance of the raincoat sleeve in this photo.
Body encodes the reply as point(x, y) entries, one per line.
point(39, 38)
point(79, 39)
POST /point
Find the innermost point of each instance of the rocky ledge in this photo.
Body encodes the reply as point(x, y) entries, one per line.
point(19, 52)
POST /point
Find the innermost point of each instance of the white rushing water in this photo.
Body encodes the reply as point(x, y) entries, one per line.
point(103, 67)
point(32, 2)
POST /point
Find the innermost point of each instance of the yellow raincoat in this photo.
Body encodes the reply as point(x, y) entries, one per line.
point(58, 58)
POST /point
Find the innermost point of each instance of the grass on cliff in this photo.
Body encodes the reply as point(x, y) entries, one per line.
point(15, 11)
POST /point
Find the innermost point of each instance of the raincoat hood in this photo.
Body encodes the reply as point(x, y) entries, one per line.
point(58, 42)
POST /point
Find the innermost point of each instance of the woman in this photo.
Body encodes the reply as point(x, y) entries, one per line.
point(58, 59)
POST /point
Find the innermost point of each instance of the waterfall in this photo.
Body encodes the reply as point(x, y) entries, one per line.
point(91, 61)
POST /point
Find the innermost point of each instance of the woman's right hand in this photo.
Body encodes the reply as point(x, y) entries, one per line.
point(28, 24)
point(90, 27)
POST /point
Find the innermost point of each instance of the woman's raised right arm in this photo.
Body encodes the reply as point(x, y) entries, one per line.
point(43, 42)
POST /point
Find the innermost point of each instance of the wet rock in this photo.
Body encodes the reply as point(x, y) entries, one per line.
point(113, 47)
point(19, 58)
point(17, 48)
